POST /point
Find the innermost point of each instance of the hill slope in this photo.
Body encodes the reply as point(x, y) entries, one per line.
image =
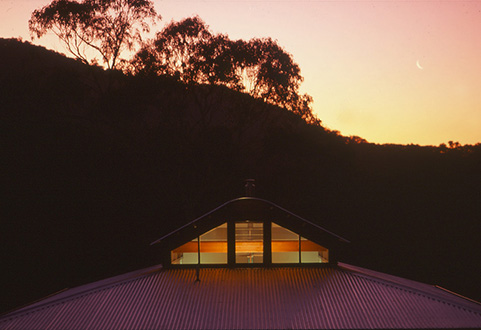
point(96, 165)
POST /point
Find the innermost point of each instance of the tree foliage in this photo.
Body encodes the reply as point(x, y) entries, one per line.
point(188, 51)
point(174, 50)
point(106, 26)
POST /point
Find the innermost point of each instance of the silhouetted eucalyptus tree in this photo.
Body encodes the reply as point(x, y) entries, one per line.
point(188, 51)
point(174, 50)
point(216, 62)
point(270, 73)
point(106, 26)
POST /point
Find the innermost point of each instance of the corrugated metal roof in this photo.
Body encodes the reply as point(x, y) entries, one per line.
point(331, 297)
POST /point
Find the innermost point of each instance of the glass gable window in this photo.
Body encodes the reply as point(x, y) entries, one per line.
point(249, 242)
point(312, 252)
point(286, 246)
point(213, 248)
point(185, 254)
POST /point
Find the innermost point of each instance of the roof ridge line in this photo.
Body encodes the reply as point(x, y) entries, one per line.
point(250, 198)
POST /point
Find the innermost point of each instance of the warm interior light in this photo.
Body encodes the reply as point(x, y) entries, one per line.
point(288, 247)
point(249, 246)
point(249, 242)
point(208, 247)
point(285, 246)
point(293, 246)
point(313, 253)
point(307, 245)
point(213, 248)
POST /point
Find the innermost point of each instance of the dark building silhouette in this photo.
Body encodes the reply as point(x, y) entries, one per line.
point(250, 264)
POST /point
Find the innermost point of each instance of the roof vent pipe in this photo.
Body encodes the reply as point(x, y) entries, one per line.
point(250, 186)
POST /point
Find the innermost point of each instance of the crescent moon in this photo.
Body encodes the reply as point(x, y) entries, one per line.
point(419, 65)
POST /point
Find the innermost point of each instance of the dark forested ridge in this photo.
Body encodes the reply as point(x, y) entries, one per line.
point(95, 165)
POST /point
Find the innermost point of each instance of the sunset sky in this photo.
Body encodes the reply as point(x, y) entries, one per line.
point(387, 71)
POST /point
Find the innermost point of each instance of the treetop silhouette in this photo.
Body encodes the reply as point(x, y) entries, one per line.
point(188, 51)
point(106, 26)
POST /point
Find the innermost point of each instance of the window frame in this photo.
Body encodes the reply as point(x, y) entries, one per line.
point(267, 246)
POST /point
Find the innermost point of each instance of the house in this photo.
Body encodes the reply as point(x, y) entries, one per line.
point(250, 264)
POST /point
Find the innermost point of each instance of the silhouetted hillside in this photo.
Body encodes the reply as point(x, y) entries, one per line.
point(96, 165)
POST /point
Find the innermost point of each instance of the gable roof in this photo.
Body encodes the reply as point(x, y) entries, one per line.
point(331, 297)
point(254, 209)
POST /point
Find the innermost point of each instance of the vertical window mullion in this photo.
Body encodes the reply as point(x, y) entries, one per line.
point(300, 251)
point(267, 257)
point(231, 243)
point(198, 250)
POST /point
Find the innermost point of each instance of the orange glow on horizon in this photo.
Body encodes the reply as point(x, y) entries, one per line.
point(360, 59)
